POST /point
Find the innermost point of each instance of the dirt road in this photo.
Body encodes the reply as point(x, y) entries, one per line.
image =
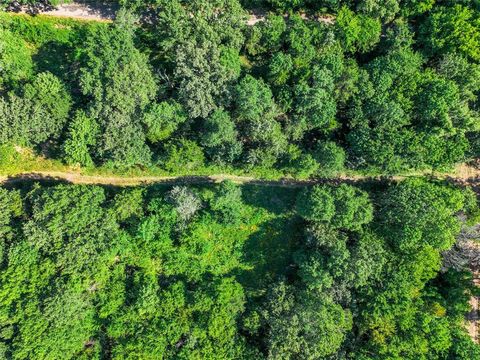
point(463, 174)
point(105, 12)
point(78, 178)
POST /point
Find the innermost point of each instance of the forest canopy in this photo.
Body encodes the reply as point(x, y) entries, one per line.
point(234, 272)
point(312, 89)
point(341, 241)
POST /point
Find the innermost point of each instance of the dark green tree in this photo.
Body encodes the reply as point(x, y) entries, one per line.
point(117, 79)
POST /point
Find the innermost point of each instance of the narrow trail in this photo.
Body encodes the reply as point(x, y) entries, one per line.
point(462, 175)
point(112, 180)
point(105, 12)
point(82, 10)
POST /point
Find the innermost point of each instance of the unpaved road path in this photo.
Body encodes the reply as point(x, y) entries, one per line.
point(105, 12)
point(79, 178)
point(102, 12)
point(463, 174)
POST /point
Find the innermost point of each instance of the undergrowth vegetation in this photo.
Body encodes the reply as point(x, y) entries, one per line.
point(228, 272)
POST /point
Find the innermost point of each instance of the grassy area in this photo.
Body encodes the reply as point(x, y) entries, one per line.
point(41, 29)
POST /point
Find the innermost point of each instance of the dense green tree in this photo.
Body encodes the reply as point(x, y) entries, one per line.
point(415, 7)
point(409, 121)
point(82, 135)
point(452, 29)
point(11, 207)
point(220, 138)
point(352, 207)
point(330, 157)
point(343, 207)
point(256, 113)
point(182, 155)
point(315, 105)
point(162, 120)
point(227, 202)
point(154, 274)
point(302, 325)
point(202, 78)
point(465, 74)
point(253, 100)
point(316, 204)
point(118, 80)
point(386, 10)
point(15, 60)
point(63, 329)
point(38, 115)
point(410, 224)
point(298, 162)
point(220, 271)
point(200, 41)
point(357, 32)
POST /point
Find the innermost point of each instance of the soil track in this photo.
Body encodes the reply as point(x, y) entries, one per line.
point(105, 12)
point(463, 175)
point(78, 178)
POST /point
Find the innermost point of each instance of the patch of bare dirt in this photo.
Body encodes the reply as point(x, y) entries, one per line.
point(105, 12)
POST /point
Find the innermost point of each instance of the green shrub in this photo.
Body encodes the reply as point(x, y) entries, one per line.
point(183, 155)
point(15, 60)
point(330, 157)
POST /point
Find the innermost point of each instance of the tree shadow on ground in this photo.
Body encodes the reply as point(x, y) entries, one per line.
point(31, 8)
point(269, 252)
point(27, 181)
point(105, 9)
point(275, 199)
point(56, 58)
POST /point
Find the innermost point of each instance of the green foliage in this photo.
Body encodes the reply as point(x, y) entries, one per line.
point(82, 135)
point(38, 115)
point(226, 271)
point(343, 207)
point(304, 326)
point(386, 10)
point(316, 204)
point(297, 162)
point(11, 207)
point(254, 98)
point(184, 155)
point(415, 7)
point(466, 75)
point(256, 114)
point(161, 120)
point(330, 157)
point(15, 60)
point(220, 138)
point(413, 118)
point(117, 79)
point(128, 204)
point(315, 106)
point(452, 29)
point(357, 32)
point(227, 202)
point(202, 79)
point(410, 224)
point(202, 273)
